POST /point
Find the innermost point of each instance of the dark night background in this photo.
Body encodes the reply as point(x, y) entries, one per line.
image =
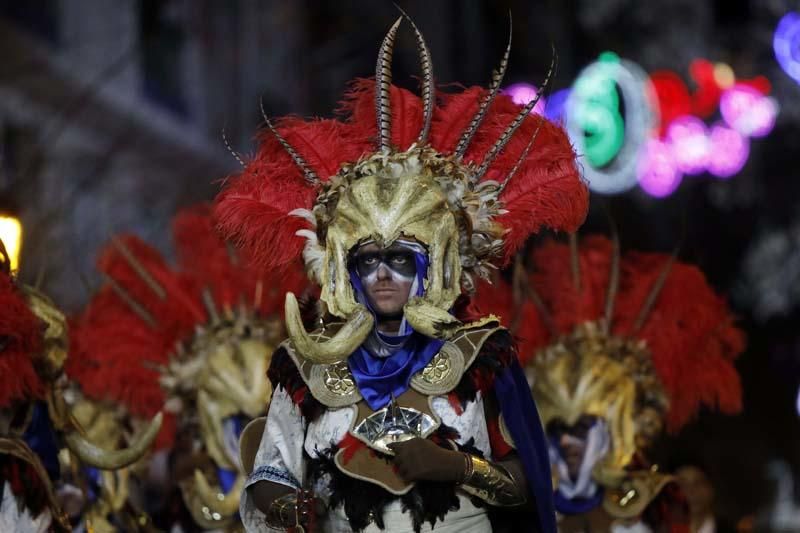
point(111, 116)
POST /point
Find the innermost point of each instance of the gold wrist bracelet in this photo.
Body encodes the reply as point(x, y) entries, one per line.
point(491, 483)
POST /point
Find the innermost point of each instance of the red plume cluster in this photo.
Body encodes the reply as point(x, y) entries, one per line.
point(254, 209)
point(689, 329)
point(118, 342)
point(20, 344)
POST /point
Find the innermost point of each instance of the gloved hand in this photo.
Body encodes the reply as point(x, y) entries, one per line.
point(424, 460)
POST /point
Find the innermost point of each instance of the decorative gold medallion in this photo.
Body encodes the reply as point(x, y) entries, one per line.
point(438, 369)
point(339, 380)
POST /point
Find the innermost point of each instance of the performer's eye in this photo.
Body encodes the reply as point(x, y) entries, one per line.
point(368, 261)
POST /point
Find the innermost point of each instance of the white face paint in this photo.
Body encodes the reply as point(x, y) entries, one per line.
point(389, 275)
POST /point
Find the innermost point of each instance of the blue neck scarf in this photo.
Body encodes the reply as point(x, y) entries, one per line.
point(381, 378)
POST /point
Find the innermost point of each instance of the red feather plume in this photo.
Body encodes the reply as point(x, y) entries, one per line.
point(254, 209)
point(690, 330)
point(115, 351)
point(20, 345)
point(517, 313)
point(230, 274)
point(546, 191)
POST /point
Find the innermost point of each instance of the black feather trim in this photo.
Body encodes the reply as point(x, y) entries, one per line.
point(284, 373)
point(497, 353)
point(365, 502)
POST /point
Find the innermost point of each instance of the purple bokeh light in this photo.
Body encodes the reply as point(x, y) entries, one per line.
point(556, 103)
point(786, 43)
point(522, 93)
point(658, 172)
point(729, 151)
point(748, 111)
point(687, 137)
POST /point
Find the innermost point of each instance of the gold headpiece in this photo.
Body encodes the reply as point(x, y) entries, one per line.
point(447, 191)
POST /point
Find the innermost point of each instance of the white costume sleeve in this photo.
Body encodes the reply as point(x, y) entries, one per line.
point(279, 458)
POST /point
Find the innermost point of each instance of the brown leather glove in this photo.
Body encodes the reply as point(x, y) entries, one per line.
point(423, 460)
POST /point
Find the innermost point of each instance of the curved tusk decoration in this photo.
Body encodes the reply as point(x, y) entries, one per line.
point(430, 320)
point(224, 504)
point(93, 455)
point(351, 335)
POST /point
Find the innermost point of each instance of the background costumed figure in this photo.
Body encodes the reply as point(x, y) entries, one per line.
point(193, 340)
point(617, 348)
point(37, 426)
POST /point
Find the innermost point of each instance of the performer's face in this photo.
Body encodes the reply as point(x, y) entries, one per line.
point(573, 449)
point(572, 441)
point(387, 275)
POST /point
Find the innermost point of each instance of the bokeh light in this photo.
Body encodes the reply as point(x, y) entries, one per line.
point(786, 43)
point(554, 110)
point(672, 96)
point(748, 111)
point(657, 171)
point(729, 151)
point(687, 137)
point(723, 75)
point(707, 92)
point(523, 93)
point(609, 118)
point(797, 402)
point(11, 235)
point(614, 108)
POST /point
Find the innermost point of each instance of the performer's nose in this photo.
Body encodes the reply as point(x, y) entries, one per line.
point(384, 273)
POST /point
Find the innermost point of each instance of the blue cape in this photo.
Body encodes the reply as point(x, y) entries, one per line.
point(522, 420)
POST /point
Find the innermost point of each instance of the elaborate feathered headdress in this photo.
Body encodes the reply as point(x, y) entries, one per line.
point(149, 315)
point(640, 340)
point(470, 176)
point(33, 351)
point(193, 339)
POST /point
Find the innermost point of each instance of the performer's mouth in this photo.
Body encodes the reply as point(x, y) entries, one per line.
point(385, 290)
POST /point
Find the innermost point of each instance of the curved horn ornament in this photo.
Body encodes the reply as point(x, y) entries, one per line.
point(351, 335)
point(217, 502)
point(93, 455)
point(430, 320)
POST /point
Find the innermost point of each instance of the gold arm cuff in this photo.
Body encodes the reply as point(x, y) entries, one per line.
point(282, 512)
point(491, 483)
